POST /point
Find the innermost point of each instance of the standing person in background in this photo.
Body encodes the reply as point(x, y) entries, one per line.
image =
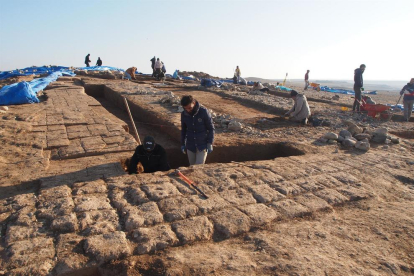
point(358, 87)
point(307, 80)
point(237, 73)
point(157, 67)
point(87, 60)
point(152, 65)
point(408, 91)
point(99, 62)
point(197, 131)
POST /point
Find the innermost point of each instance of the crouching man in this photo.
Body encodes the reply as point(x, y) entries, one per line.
point(300, 111)
point(151, 155)
point(197, 131)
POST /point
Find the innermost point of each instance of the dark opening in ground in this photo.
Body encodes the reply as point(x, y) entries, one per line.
point(169, 137)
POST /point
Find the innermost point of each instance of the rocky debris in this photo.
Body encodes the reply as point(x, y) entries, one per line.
point(235, 125)
point(4, 108)
point(380, 135)
point(345, 133)
point(362, 136)
point(353, 128)
point(395, 140)
point(331, 136)
point(336, 98)
point(363, 145)
point(257, 92)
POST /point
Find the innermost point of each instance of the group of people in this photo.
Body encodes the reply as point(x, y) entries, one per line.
point(197, 137)
point(158, 68)
point(87, 60)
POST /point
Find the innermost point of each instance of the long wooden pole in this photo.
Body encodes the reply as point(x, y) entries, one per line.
point(132, 121)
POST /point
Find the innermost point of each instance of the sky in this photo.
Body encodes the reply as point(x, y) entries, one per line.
point(266, 39)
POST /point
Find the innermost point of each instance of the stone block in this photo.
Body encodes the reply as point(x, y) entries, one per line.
point(177, 208)
point(91, 202)
point(345, 178)
point(137, 196)
point(238, 196)
point(313, 203)
point(159, 191)
point(326, 180)
point(153, 239)
point(22, 200)
point(98, 222)
point(146, 214)
point(260, 214)
point(30, 251)
point(331, 196)
point(193, 229)
point(55, 208)
point(288, 188)
point(48, 194)
point(308, 184)
point(213, 203)
point(118, 199)
point(290, 209)
point(231, 222)
point(354, 193)
point(24, 216)
point(263, 193)
point(57, 143)
point(92, 187)
point(70, 255)
point(107, 247)
point(66, 223)
point(17, 232)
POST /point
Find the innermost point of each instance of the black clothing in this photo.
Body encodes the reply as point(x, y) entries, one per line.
point(152, 65)
point(152, 161)
point(99, 62)
point(358, 81)
point(87, 61)
point(358, 98)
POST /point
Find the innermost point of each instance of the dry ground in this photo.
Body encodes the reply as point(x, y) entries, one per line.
point(67, 207)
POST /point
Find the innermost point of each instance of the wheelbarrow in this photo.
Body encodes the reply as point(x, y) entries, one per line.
point(315, 86)
point(374, 110)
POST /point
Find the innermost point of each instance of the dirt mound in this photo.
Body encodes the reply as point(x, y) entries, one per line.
point(198, 75)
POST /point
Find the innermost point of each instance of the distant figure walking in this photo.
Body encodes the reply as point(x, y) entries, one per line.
point(237, 73)
point(87, 60)
point(99, 62)
point(408, 91)
point(307, 80)
point(358, 87)
point(152, 64)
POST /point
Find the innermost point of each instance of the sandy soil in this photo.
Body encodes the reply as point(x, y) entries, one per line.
point(289, 205)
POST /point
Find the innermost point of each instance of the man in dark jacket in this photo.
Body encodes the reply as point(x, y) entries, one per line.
point(197, 131)
point(408, 91)
point(99, 62)
point(87, 60)
point(152, 157)
point(358, 86)
point(153, 64)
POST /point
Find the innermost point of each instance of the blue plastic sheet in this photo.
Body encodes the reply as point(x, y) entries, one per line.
point(32, 71)
point(25, 92)
point(102, 68)
point(211, 82)
point(283, 88)
point(344, 91)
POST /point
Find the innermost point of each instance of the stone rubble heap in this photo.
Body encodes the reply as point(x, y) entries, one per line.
point(107, 74)
point(358, 137)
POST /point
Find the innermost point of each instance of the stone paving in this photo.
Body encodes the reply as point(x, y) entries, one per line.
point(64, 227)
point(74, 125)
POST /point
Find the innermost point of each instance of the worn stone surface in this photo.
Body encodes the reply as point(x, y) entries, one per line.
point(146, 214)
point(260, 214)
point(264, 193)
point(106, 247)
point(193, 229)
point(176, 208)
point(231, 222)
point(152, 239)
point(291, 209)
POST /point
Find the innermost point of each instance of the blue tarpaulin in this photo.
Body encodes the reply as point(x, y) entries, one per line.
point(31, 71)
point(103, 68)
point(344, 91)
point(211, 82)
point(283, 88)
point(25, 92)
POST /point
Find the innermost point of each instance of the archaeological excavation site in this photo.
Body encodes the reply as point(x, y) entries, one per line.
point(283, 198)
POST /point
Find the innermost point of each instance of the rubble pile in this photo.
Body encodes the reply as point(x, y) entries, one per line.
point(107, 74)
point(171, 99)
point(358, 137)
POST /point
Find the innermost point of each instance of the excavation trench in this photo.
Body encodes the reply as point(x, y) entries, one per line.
point(168, 135)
